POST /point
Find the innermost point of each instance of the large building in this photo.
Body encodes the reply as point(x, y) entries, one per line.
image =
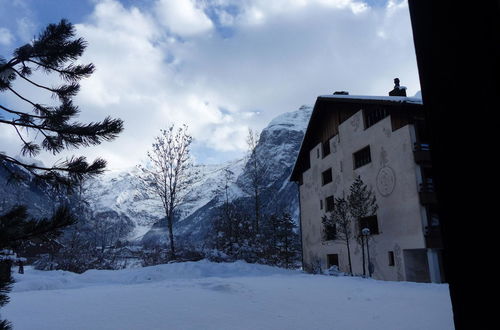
point(384, 141)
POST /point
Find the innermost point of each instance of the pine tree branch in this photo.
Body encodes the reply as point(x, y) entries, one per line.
point(32, 82)
point(63, 92)
point(14, 112)
point(32, 126)
point(32, 166)
point(22, 98)
point(71, 73)
point(15, 225)
point(77, 134)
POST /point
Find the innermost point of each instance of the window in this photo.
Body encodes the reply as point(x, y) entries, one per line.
point(333, 260)
point(326, 148)
point(327, 176)
point(317, 153)
point(391, 258)
point(320, 204)
point(362, 157)
point(330, 202)
point(373, 116)
point(370, 223)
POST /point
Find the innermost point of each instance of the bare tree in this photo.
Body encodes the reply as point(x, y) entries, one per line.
point(225, 183)
point(362, 203)
point(170, 173)
point(226, 215)
point(339, 221)
point(256, 170)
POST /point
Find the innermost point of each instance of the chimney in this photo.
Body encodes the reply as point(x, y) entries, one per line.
point(398, 90)
point(340, 93)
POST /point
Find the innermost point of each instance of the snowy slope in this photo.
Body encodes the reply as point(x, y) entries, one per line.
point(120, 191)
point(219, 296)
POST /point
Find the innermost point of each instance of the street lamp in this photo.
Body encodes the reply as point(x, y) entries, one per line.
point(366, 232)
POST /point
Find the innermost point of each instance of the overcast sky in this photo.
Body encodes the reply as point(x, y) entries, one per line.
point(220, 66)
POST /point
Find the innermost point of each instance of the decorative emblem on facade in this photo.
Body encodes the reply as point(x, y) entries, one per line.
point(383, 157)
point(386, 178)
point(386, 181)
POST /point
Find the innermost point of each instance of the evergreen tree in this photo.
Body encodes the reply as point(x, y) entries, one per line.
point(287, 241)
point(5, 286)
point(232, 235)
point(224, 233)
point(54, 52)
point(279, 244)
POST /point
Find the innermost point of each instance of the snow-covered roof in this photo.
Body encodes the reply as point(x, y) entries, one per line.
point(413, 102)
point(400, 99)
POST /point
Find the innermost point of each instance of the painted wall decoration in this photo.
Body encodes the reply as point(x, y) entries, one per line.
point(355, 122)
point(334, 146)
point(398, 261)
point(384, 160)
point(386, 181)
point(386, 177)
point(336, 183)
point(387, 132)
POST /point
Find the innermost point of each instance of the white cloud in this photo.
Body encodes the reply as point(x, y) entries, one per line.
point(26, 29)
point(183, 17)
point(262, 11)
point(6, 37)
point(221, 86)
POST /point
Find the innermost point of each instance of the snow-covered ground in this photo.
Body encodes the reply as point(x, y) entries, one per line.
point(204, 295)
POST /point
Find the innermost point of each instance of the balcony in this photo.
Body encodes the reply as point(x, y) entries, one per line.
point(427, 192)
point(433, 239)
point(422, 153)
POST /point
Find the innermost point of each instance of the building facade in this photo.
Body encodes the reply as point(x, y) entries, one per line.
point(384, 141)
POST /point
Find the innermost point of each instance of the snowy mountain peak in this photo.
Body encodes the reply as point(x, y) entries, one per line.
point(295, 120)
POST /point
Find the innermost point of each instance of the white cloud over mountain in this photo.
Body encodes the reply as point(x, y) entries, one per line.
point(223, 66)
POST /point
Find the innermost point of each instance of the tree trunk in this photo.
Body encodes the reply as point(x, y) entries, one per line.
point(349, 257)
point(257, 213)
point(170, 221)
point(363, 254)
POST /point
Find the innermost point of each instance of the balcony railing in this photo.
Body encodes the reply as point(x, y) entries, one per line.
point(433, 239)
point(427, 192)
point(422, 153)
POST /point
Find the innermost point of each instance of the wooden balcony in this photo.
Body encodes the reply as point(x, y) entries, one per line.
point(422, 153)
point(433, 238)
point(427, 193)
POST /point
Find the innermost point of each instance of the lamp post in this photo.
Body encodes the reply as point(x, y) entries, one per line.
point(366, 233)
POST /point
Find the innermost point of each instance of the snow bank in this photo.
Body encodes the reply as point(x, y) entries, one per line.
point(34, 280)
point(225, 296)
